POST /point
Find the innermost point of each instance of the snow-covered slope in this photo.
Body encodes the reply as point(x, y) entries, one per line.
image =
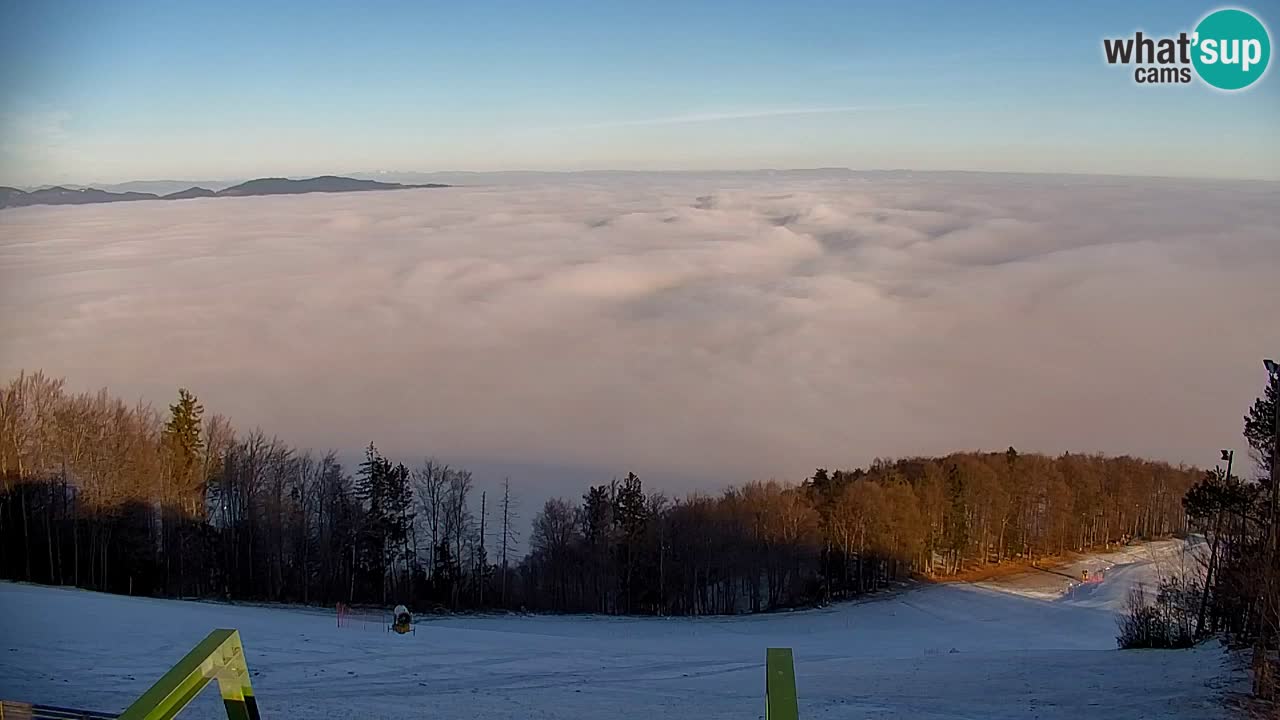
point(1007, 650)
point(1111, 573)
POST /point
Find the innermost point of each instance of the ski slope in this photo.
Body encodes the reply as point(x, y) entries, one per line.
point(1008, 649)
point(1138, 564)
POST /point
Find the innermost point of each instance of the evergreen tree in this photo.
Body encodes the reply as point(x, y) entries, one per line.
point(184, 445)
point(183, 493)
point(371, 490)
point(387, 492)
point(399, 521)
point(597, 523)
point(1259, 431)
point(631, 518)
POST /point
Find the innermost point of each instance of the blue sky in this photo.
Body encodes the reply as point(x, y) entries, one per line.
point(106, 92)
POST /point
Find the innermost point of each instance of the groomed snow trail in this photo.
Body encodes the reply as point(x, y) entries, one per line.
point(1016, 648)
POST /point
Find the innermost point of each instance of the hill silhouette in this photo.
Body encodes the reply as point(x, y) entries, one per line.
point(58, 195)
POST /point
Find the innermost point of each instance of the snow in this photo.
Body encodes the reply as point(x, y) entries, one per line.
point(1007, 649)
point(1121, 569)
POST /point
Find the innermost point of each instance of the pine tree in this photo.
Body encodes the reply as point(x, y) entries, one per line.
point(632, 518)
point(183, 429)
point(597, 522)
point(182, 496)
point(1259, 431)
point(399, 521)
point(370, 489)
point(388, 494)
point(184, 446)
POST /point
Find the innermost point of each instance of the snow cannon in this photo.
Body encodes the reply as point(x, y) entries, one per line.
point(402, 620)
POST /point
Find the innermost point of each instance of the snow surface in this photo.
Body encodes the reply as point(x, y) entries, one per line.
point(1015, 648)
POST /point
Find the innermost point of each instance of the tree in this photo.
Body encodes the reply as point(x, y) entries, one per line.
point(431, 482)
point(1208, 504)
point(555, 532)
point(246, 516)
point(1259, 431)
point(482, 556)
point(388, 493)
point(597, 523)
point(182, 433)
point(859, 509)
point(183, 497)
point(509, 535)
point(401, 519)
point(1262, 430)
point(457, 527)
point(631, 519)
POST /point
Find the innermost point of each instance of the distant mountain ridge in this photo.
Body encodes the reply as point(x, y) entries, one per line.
point(58, 195)
point(189, 193)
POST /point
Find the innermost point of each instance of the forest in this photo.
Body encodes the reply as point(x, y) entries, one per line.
point(1237, 594)
point(103, 494)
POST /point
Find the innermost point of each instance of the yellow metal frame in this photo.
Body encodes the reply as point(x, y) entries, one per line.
point(220, 656)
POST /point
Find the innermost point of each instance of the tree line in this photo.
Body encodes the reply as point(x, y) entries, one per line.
point(103, 494)
point(838, 534)
point(118, 497)
point(1238, 594)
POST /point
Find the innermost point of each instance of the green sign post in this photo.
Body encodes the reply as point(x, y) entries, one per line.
point(780, 685)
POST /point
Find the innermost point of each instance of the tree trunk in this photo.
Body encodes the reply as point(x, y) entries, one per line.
point(1208, 575)
point(48, 530)
point(75, 546)
point(26, 530)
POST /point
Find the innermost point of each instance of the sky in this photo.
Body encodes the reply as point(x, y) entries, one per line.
point(111, 92)
point(701, 330)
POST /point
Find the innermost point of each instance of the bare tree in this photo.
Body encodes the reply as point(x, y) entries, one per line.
point(482, 561)
point(431, 482)
point(458, 523)
point(555, 532)
point(509, 537)
point(84, 478)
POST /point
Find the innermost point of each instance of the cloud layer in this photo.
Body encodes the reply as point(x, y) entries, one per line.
point(700, 329)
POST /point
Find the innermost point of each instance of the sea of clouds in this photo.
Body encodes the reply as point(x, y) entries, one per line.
point(698, 329)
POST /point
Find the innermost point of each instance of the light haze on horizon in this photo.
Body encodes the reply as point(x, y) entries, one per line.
point(137, 90)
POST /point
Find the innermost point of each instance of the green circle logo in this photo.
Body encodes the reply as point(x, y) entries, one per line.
point(1232, 49)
